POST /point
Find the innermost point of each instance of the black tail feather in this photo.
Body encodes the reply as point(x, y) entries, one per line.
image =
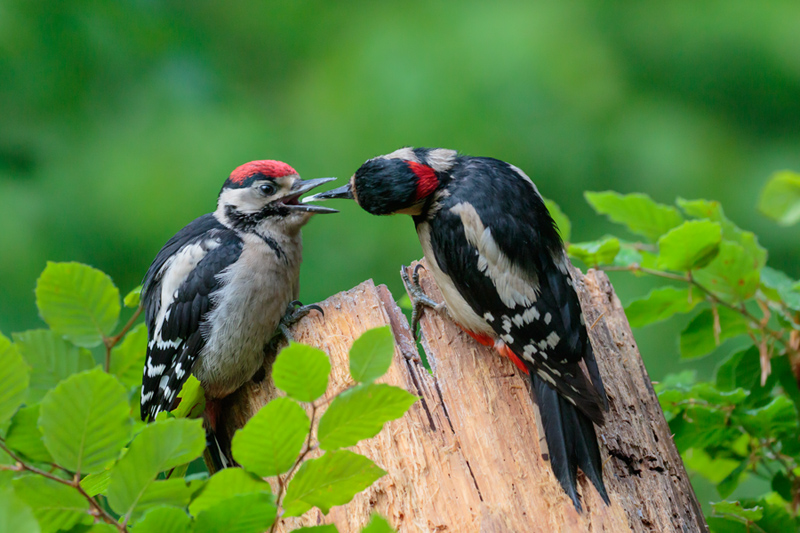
point(571, 441)
point(218, 443)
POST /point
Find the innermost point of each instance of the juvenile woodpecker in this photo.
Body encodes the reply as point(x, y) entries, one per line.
point(217, 291)
point(497, 256)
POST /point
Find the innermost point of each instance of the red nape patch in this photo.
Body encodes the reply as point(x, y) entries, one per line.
point(426, 179)
point(268, 167)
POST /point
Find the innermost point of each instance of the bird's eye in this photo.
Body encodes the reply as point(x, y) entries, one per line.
point(267, 189)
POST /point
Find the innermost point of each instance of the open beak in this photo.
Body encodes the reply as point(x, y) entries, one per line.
point(301, 187)
point(341, 192)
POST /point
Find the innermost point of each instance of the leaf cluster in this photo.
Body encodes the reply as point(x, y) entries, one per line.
point(74, 458)
point(745, 422)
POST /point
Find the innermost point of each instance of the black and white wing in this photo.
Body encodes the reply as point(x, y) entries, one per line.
point(177, 295)
point(507, 261)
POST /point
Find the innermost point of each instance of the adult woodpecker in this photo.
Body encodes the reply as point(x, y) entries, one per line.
point(218, 290)
point(497, 256)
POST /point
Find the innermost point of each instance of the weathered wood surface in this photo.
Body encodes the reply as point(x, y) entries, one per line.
point(467, 456)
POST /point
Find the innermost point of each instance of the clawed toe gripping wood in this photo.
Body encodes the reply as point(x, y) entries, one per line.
point(468, 457)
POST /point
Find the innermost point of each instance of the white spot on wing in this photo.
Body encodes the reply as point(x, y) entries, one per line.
point(488, 316)
point(547, 318)
point(508, 339)
point(553, 339)
point(153, 371)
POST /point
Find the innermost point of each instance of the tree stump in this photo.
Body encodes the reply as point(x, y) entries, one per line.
point(468, 455)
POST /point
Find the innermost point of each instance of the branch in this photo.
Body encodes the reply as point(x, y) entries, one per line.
point(281, 483)
point(742, 310)
point(110, 342)
point(97, 509)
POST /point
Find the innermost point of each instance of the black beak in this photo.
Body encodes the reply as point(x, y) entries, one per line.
point(303, 186)
point(340, 192)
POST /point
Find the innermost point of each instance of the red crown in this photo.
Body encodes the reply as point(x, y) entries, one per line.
point(267, 167)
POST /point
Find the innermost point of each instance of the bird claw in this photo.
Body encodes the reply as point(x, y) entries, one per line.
point(419, 300)
point(295, 312)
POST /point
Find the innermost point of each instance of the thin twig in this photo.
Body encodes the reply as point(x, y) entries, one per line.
point(110, 342)
point(742, 310)
point(75, 483)
point(281, 484)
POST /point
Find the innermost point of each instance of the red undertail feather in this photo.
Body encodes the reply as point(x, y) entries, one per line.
point(501, 347)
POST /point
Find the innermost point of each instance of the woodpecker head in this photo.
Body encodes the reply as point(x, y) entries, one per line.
point(266, 190)
point(399, 182)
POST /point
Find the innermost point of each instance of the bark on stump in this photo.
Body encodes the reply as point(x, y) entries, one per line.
point(468, 457)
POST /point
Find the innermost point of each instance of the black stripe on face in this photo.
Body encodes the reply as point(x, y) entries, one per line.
point(247, 221)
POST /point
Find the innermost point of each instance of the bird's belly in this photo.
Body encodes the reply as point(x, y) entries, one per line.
point(247, 314)
point(457, 306)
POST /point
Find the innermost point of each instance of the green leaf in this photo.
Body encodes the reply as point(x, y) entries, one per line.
point(94, 484)
point(371, 354)
point(167, 492)
point(224, 485)
point(700, 426)
point(771, 421)
point(330, 480)
point(245, 513)
point(14, 379)
point(55, 506)
point(302, 372)
point(628, 255)
point(782, 485)
point(733, 275)
point(638, 212)
point(698, 339)
point(15, 515)
point(192, 399)
point(691, 245)
point(732, 480)
point(783, 286)
point(127, 357)
point(780, 198)
point(133, 298)
point(378, 524)
point(326, 528)
point(99, 527)
point(51, 358)
point(561, 220)
point(712, 210)
point(160, 446)
point(24, 435)
point(78, 301)
point(596, 252)
point(714, 469)
point(85, 421)
point(270, 442)
point(360, 413)
point(164, 520)
point(661, 304)
point(727, 524)
point(742, 369)
point(735, 508)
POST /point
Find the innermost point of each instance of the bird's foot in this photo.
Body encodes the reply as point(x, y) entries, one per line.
point(419, 300)
point(295, 312)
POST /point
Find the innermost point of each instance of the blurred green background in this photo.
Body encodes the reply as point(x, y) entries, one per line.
point(119, 121)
